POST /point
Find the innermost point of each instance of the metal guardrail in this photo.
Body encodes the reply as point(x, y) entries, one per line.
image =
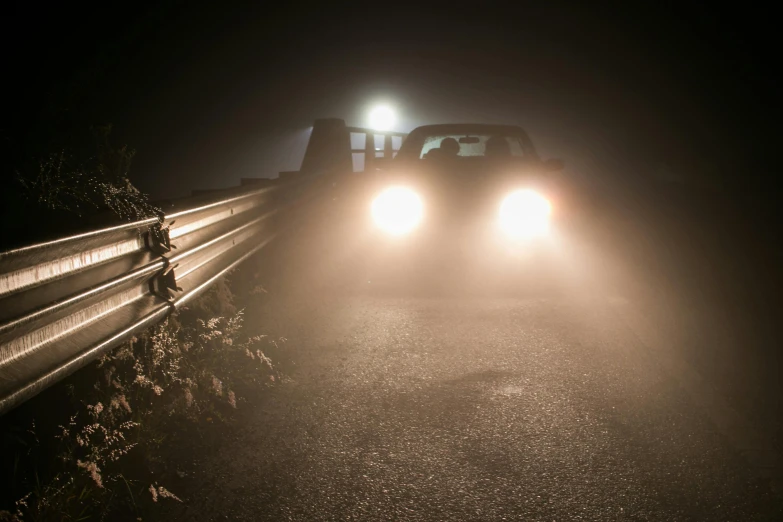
point(63, 303)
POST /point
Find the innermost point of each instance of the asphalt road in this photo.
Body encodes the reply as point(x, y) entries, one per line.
point(478, 408)
point(569, 402)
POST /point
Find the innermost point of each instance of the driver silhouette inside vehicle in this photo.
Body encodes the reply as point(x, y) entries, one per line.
point(449, 148)
point(497, 147)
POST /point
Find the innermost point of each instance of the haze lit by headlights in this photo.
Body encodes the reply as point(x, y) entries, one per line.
point(525, 214)
point(397, 210)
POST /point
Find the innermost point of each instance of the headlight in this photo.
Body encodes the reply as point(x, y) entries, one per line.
point(525, 214)
point(397, 210)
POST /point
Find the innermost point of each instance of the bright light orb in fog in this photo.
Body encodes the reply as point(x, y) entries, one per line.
point(382, 118)
point(525, 214)
point(397, 210)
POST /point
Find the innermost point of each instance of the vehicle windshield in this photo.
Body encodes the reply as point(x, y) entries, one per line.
point(467, 142)
point(471, 145)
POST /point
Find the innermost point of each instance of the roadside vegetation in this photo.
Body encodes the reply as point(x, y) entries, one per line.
point(102, 444)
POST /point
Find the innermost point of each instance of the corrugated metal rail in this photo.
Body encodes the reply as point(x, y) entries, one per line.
point(64, 302)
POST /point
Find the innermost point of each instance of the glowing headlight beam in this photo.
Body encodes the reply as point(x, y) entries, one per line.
point(397, 210)
point(525, 214)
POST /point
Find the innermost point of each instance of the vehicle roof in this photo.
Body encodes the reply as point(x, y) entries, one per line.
point(448, 128)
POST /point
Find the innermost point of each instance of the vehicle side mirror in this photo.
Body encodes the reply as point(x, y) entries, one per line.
point(552, 165)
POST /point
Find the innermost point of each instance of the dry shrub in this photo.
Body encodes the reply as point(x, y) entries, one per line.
point(156, 388)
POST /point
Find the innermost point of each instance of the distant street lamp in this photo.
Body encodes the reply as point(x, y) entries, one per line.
point(382, 118)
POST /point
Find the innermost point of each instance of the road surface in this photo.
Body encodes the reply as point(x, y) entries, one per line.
point(564, 403)
point(466, 408)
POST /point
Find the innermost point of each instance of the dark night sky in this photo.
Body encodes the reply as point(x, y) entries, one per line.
point(208, 94)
